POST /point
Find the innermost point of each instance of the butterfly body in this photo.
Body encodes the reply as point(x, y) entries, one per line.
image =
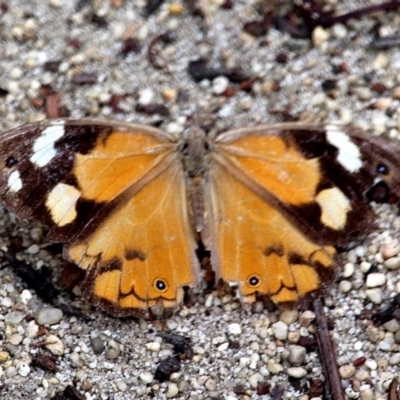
point(131, 202)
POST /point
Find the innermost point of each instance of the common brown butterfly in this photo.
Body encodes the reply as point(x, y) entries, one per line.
point(132, 202)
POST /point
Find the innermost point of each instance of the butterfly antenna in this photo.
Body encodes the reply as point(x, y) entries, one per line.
point(156, 58)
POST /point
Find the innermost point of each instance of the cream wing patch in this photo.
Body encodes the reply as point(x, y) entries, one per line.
point(61, 203)
point(349, 154)
point(14, 182)
point(334, 206)
point(43, 147)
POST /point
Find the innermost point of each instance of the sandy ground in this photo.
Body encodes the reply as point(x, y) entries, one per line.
point(238, 353)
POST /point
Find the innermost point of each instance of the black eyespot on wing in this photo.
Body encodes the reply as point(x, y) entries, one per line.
point(160, 285)
point(11, 161)
point(382, 169)
point(254, 281)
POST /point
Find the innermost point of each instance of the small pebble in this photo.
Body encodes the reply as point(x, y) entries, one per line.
point(153, 346)
point(394, 359)
point(381, 61)
point(340, 31)
point(4, 356)
point(392, 264)
point(367, 394)
point(26, 296)
point(297, 372)
point(347, 371)
point(48, 316)
point(112, 353)
point(54, 345)
point(392, 325)
point(23, 369)
point(15, 339)
point(396, 93)
point(319, 36)
point(274, 367)
point(289, 316)
point(297, 355)
point(362, 375)
point(11, 371)
point(146, 96)
point(389, 250)
point(172, 390)
point(371, 364)
point(210, 384)
point(372, 334)
point(348, 270)
point(146, 377)
point(98, 345)
point(280, 330)
point(14, 318)
point(345, 286)
point(176, 8)
point(121, 385)
point(306, 318)
point(220, 84)
point(33, 249)
point(375, 295)
point(235, 329)
point(375, 279)
point(6, 302)
point(170, 94)
point(255, 379)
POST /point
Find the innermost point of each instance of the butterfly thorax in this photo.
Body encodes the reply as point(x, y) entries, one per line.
point(194, 159)
point(194, 150)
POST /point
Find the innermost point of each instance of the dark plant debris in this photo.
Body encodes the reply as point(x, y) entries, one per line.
point(327, 352)
point(153, 53)
point(199, 70)
point(392, 311)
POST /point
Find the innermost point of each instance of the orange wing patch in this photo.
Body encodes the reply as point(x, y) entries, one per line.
point(144, 251)
point(257, 247)
point(276, 165)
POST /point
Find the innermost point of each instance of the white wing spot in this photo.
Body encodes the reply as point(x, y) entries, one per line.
point(61, 203)
point(349, 154)
point(334, 206)
point(14, 181)
point(43, 147)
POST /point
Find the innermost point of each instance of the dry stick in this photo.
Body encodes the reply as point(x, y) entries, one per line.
point(394, 393)
point(327, 353)
point(328, 21)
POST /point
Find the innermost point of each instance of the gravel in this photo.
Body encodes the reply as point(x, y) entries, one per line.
point(80, 53)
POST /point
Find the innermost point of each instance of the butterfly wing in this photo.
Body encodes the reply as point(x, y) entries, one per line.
point(115, 194)
point(281, 196)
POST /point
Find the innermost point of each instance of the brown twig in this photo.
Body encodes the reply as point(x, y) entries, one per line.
point(317, 17)
point(394, 393)
point(327, 353)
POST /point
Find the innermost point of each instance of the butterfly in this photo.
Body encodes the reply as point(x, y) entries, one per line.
point(131, 203)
